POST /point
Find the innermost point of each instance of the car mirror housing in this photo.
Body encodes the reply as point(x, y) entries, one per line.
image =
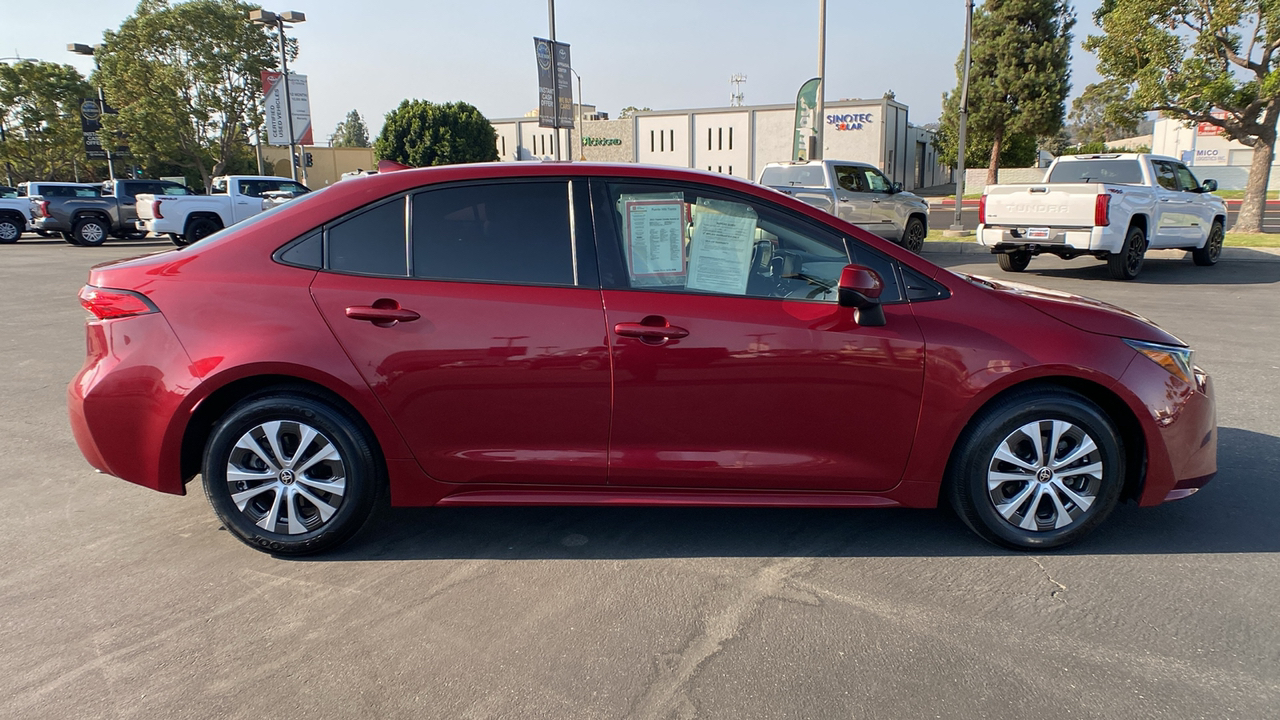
point(895, 188)
point(860, 289)
point(1209, 186)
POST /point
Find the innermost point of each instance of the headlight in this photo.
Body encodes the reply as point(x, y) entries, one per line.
point(1174, 358)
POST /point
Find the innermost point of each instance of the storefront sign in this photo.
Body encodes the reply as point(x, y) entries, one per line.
point(850, 121)
point(592, 142)
point(1207, 156)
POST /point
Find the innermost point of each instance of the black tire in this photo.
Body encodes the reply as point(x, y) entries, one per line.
point(1212, 250)
point(1126, 264)
point(200, 228)
point(69, 238)
point(350, 501)
point(44, 233)
point(913, 235)
point(90, 232)
point(179, 240)
point(11, 229)
point(1015, 261)
point(1000, 427)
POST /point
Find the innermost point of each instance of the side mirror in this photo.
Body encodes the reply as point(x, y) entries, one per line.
point(1209, 186)
point(895, 188)
point(860, 289)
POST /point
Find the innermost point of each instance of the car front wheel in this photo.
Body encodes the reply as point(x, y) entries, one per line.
point(1038, 470)
point(1212, 250)
point(10, 230)
point(290, 474)
point(90, 232)
point(913, 235)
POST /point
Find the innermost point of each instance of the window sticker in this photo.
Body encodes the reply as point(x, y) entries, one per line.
point(720, 252)
point(653, 228)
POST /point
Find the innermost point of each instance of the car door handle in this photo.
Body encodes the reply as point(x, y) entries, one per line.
point(384, 312)
point(650, 330)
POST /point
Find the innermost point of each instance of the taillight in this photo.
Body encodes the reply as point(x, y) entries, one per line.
point(982, 210)
point(108, 303)
point(44, 208)
point(155, 210)
point(1102, 211)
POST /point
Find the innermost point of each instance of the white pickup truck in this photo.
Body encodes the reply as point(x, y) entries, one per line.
point(1111, 206)
point(188, 218)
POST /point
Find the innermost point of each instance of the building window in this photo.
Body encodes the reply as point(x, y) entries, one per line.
point(673, 141)
point(730, 169)
point(721, 138)
point(708, 139)
point(662, 143)
point(731, 140)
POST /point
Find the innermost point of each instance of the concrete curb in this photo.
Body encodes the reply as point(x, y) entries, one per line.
point(1229, 254)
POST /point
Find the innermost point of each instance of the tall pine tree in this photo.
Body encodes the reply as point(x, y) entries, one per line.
point(351, 132)
point(1020, 76)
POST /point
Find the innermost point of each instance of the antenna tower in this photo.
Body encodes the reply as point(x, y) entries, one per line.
point(735, 100)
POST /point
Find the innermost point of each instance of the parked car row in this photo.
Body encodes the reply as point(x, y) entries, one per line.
point(89, 213)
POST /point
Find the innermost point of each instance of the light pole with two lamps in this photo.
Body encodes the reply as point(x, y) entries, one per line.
point(266, 17)
point(82, 49)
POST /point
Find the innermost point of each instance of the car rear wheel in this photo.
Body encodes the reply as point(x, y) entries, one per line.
point(1126, 264)
point(1212, 250)
point(290, 474)
point(178, 240)
point(200, 228)
point(90, 232)
point(1016, 261)
point(1038, 470)
point(10, 229)
point(913, 235)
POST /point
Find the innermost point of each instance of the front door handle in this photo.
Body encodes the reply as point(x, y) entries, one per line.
point(653, 329)
point(384, 312)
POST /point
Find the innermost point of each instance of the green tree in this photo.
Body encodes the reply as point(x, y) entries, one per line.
point(1019, 78)
point(630, 110)
point(186, 78)
point(40, 109)
point(421, 133)
point(1188, 59)
point(351, 132)
point(1098, 114)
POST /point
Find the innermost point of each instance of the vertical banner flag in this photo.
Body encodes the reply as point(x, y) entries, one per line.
point(806, 123)
point(564, 86)
point(274, 108)
point(91, 112)
point(546, 83)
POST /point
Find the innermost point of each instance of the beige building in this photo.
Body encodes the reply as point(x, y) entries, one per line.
point(327, 163)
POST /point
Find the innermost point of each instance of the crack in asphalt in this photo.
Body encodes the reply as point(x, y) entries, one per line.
point(1061, 588)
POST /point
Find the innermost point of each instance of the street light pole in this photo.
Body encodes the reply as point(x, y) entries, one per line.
point(816, 153)
point(582, 153)
point(551, 19)
point(82, 49)
point(266, 17)
point(957, 225)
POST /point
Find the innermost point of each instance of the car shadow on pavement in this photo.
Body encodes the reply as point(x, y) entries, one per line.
point(1156, 271)
point(1234, 514)
point(151, 242)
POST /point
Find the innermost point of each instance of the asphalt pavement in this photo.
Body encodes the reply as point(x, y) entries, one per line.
point(119, 602)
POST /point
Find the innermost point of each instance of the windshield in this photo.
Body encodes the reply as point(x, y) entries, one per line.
point(793, 176)
point(1121, 172)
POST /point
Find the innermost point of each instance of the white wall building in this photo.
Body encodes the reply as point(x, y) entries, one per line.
point(739, 141)
point(1208, 153)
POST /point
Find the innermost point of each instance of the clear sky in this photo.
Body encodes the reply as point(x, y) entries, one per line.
point(663, 54)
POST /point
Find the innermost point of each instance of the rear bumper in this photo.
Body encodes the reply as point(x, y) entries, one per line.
point(125, 403)
point(1075, 241)
point(50, 224)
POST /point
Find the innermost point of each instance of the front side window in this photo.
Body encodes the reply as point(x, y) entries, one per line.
point(680, 239)
point(369, 243)
point(516, 233)
point(1186, 181)
point(849, 178)
point(874, 181)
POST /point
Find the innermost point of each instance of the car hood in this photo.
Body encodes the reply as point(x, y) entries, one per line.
point(1084, 313)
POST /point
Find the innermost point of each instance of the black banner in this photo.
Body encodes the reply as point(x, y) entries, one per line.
point(564, 86)
point(91, 112)
point(546, 83)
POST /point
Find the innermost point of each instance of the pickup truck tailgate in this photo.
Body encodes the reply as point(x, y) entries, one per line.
point(144, 207)
point(1042, 205)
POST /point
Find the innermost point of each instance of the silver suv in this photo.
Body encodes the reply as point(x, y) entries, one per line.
point(857, 193)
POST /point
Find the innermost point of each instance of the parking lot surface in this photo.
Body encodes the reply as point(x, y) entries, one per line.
point(120, 602)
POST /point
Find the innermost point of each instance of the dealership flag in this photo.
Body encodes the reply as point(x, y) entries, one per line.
point(806, 122)
point(273, 97)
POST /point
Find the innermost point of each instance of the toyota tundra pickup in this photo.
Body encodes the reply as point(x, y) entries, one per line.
point(233, 198)
point(88, 219)
point(1112, 206)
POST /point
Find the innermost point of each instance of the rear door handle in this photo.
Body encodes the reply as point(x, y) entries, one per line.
point(384, 312)
point(651, 329)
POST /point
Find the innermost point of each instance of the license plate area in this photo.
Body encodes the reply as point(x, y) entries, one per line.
point(1036, 233)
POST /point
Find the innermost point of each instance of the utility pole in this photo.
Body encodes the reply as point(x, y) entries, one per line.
point(551, 20)
point(816, 153)
point(957, 224)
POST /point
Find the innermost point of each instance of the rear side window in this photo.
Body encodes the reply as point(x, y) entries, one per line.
point(370, 243)
point(507, 233)
point(1120, 172)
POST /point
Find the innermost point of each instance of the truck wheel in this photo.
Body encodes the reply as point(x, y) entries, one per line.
point(90, 232)
point(1212, 250)
point(201, 228)
point(1126, 264)
point(10, 229)
point(913, 235)
point(1015, 261)
point(69, 238)
point(178, 240)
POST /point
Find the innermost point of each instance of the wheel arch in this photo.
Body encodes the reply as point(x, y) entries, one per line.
point(1142, 221)
point(202, 215)
point(200, 425)
point(91, 214)
point(1127, 425)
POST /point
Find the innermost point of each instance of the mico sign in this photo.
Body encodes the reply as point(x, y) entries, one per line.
point(853, 121)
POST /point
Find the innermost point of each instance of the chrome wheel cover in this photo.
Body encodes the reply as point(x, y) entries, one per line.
point(286, 477)
point(1045, 475)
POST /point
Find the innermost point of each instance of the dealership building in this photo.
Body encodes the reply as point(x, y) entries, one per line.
point(737, 140)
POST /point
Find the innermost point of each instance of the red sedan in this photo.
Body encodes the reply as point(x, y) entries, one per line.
point(521, 334)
